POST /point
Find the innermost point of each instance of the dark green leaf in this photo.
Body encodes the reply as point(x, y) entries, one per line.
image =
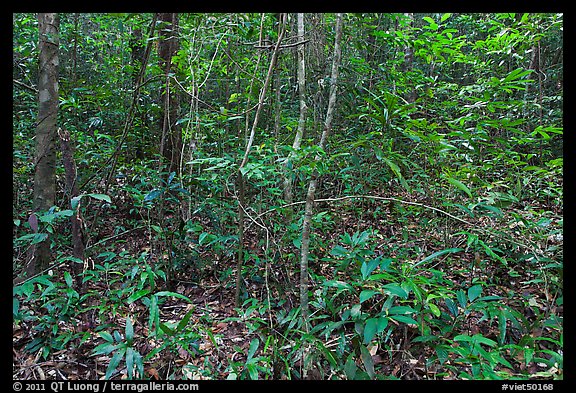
point(397, 290)
point(474, 292)
point(404, 319)
point(370, 329)
point(367, 360)
point(367, 294)
point(137, 295)
point(114, 362)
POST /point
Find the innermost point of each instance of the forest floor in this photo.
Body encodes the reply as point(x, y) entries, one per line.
point(224, 335)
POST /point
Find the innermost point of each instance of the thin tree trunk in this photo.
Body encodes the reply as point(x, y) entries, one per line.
point(288, 192)
point(45, 155)
point(241, 180)
point(72, 189)
point(171, 139)
point(309, 209)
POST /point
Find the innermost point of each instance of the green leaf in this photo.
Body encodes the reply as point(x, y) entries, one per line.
point(182, 324)
point(100, 197)
point(114, 362)
point(404, 319)
point(130, 362)
point(367, 294)
point(437, 254)
point(129, 331)
point(396, 290)
point(166, 329)
point(370, 330)
point(253, 347)
point(401, 310)
point(137, 295)
point(367, 360)
point(434, 308)
point(106, 336)
point(104, 349)
point(461, 297)
point(458, 184)
point(350, 367)
point(463, 337)
point(484, 340)
point(15, 306)
point(368, 267)
point(445, 16)
point(173, 294)
point(339, 251)
point(252, 371)
point(474, 292)
point(33, 238)
point(382, 324)
point(68, 279)
point(152, 195)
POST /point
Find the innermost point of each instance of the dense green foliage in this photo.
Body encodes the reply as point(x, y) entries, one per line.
point(437, 245)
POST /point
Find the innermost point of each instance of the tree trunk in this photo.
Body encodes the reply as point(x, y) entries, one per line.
point(171, 139)
point(309, 209)
point(288, 193)
point(241, 179)
point(45, 155)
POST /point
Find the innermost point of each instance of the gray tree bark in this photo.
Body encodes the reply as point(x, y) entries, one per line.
point(309, 209)
point(45, 154)
point(288, 193)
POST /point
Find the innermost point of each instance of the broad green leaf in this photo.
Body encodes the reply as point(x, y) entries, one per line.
point(114, 362)
point(252, 371)
point(129, 331)
point(463, 337)
point(396, 289)
point(367, 360)
point(130, 362)
point(461, 296)
point(106, 336)
point(474, 292)
point(137, 295)
point(152, 195)
point(166, 329)
point(253, 347)
point(68, 279)
point(33, 238)
point(367, 294)
point(434, 308)
point(368, 267)
point(404, 319)
point(370, 330)
point(15, 306)
point(350, 367)
point(401, 310)
point(484, 340)
point(458, 184)
point(104, 349)
point(382, 324)
point(339, 251)
point(100, 197)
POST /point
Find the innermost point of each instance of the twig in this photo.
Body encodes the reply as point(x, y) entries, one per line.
point(32, 88)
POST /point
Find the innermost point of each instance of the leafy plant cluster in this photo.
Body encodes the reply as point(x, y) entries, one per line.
point(459, 115)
